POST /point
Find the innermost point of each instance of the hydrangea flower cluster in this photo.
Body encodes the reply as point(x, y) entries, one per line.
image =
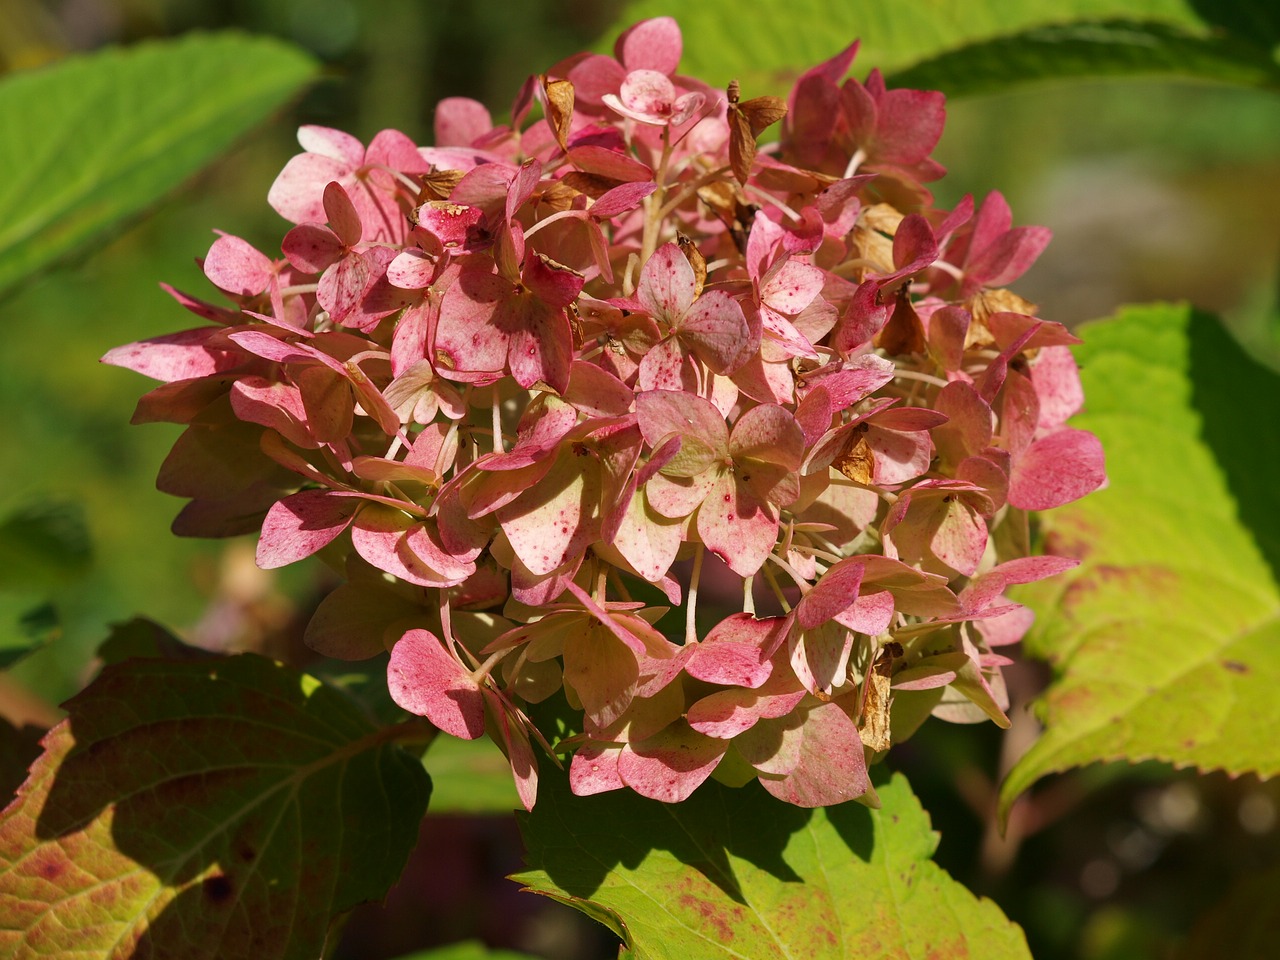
point(732, 443)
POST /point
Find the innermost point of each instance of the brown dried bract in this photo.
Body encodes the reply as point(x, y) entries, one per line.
point(559, 108)
point(876, 699)
point(746, 121)
point(696, 260)
point(858, 462)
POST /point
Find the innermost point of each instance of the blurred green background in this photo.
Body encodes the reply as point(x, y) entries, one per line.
point(1154, 190)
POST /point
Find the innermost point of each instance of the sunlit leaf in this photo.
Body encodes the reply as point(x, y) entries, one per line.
point(767, 48)
point(1089, 49)
point(220, 808)
point(734, 873)
point(469, 776)
point(95, 139)
point(1166, 639)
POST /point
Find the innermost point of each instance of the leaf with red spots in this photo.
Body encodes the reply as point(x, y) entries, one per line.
point(218, 808)
point(1166, 638)
point(736, 873)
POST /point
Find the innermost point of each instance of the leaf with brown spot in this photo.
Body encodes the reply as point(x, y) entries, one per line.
point(735, 873)
point(1166, 638)
point(219, 808)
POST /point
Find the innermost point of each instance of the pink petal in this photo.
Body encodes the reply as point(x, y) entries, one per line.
point(832, 594)
point(716, 328)
point(594, 769)
point(298, 192)
point(1056, 379)
point(426, 680)
point(176, 356)
point(515, 744)
point(602, 671)
point(651, 45)
point(341, 214)
point(793, 287)
point(737, 527)
point(311, 247)
point(621, 199)
point(460, 122)
point(667, 284)
point(331, 143)
point(670, 765)
point(832, 767)
point(727, 714)
point(301, 524)
point(556, 520)
point(1056, 469)
point(236, 266)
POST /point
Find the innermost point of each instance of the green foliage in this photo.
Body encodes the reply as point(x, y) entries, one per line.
point(732, 872)
point(24, 628)
point(96, 139)
point(235, 804)
point(43, 545)
point(1166, 639)
point(468, 950)
point(974, 46)
point(1108, 48)
point(469, 776)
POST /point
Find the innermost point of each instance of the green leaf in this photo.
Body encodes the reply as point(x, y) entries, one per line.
point(143, 638)
point(225, 808)
point(469, 776)
point(19, 746)
point(95, 139)
point(769, 42)
point(467, 950)
point(1166, 639)
point(43, 545)
point(735, 873)
point(1110, 48)
point(24, 628)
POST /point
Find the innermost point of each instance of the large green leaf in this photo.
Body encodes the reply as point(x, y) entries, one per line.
point(1166, 639)
point(766, 43)
point(94, 139)
point(197, 809)
point(1092, 49)
point(735, 873)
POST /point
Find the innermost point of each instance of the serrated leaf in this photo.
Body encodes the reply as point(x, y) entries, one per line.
point(95, 139)
point(1166, 639)
point(1092, 49)
point(201, 810)
point(142, 638)
point(768, 45)
point(43, 545)
point(19, 746)
point(735, 873)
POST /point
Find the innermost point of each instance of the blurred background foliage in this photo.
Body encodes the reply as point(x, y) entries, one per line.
point(1154, 189)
